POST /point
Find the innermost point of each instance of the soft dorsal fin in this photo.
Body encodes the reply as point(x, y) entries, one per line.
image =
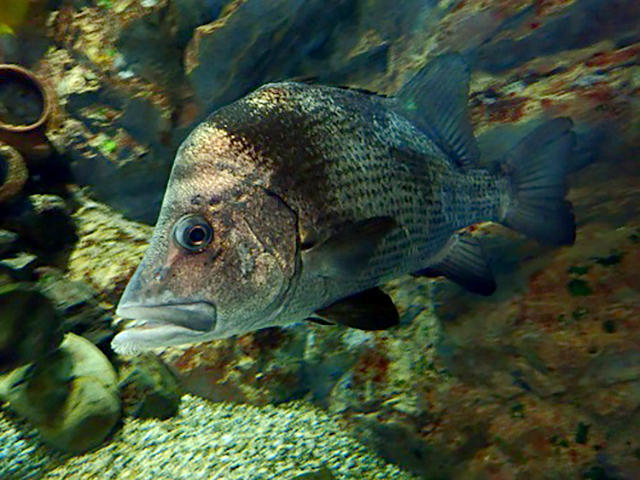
point(435, 99)
point(368, 310)
point(349, 250)
point(463, 260)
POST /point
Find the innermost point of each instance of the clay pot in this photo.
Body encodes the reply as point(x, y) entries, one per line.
point(25, 107)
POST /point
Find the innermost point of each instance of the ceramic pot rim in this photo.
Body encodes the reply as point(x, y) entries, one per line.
point(37, 84)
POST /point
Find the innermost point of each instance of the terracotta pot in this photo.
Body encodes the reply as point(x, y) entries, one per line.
point(25, 107)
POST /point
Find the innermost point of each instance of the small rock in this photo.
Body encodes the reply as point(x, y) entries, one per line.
point(322, 473)
point(44, 222)
point(149, 389)
point(71, 396)
point(29, 328)
point(7, 241)
point(13, 172)
point(19, 267)
point(76, 302)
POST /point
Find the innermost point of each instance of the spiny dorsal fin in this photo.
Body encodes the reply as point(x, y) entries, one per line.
point(435, 99)
point(348, 251)
point(368, 310)
point(463, 260)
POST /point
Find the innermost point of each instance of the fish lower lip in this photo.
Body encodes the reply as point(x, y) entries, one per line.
point(197, 316)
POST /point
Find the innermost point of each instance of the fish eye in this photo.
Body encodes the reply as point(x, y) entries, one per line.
point(193, 233)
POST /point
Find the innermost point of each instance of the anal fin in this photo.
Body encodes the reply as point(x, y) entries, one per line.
point(463, 261)
point(368, 310)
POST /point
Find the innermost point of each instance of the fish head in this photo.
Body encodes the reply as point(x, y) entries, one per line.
point(220, 261)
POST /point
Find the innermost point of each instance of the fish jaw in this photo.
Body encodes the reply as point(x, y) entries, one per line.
point(162, 325)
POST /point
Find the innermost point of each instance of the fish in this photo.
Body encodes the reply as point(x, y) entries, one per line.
point(13, 13)
point(297, 201)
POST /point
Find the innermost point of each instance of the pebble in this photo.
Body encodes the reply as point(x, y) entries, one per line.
point(268, 442)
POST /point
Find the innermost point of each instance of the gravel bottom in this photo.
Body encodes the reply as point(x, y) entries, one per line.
point(205, 441)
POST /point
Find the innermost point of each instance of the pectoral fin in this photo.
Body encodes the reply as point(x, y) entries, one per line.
point(348, 251)
point(368, 310)
point(463, 260)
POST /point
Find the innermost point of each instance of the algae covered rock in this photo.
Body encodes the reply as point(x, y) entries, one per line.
point(149, 389)
point(29, 325)
point(71, 396)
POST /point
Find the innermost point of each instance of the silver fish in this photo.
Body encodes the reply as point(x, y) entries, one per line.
point(297, 201)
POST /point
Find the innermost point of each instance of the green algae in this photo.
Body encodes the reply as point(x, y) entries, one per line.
point(108, 146)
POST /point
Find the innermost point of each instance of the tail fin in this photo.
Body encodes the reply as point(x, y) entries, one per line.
point(537, 168)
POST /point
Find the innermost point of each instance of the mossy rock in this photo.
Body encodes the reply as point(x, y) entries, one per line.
point(71, 396)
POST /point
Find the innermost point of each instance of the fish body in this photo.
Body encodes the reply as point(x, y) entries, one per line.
point(297, 201)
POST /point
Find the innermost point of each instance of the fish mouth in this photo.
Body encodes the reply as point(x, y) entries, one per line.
point(197, 316)
point(162, 325)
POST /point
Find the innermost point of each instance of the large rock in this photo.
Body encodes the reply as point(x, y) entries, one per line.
point(342, 42)
point(71, 396)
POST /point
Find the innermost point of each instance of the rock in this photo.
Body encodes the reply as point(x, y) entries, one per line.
point(126, 168)
point(13, 173)
point(43, 221)
point(149, 46)
point(76, 302)
point(149, 389)
point(288, 34)
point(19, 267)
point(71, 396)
point(104, 235)
point(320, 474)
point(8, 241)
point(29, 326)
point(190, 14)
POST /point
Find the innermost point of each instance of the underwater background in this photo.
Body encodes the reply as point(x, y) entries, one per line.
point(540, 380)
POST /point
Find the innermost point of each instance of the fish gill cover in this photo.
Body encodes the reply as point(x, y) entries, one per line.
point(539, 379)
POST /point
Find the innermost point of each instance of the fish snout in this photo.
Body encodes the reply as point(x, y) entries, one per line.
point(139, 302)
